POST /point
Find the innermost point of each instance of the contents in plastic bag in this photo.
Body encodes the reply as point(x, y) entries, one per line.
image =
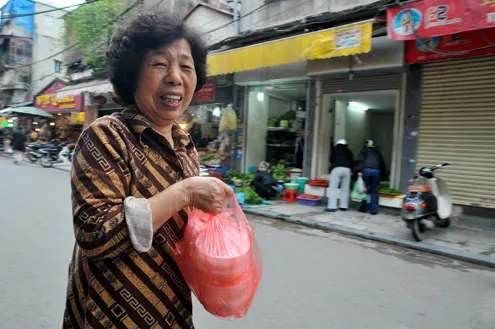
point(221, 261)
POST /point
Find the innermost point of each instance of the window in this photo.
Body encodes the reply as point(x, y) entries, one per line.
point(49, 21)
point(57, 66)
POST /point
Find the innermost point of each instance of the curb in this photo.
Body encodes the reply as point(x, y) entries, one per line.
point(420, 246)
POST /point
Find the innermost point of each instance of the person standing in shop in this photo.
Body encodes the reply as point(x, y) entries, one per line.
point(18, 144)
point(300, 150)
point(370, 166)
point(342, 161)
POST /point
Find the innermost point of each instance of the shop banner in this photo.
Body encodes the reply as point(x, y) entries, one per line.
point(207, 93)
point(49, 103)
point(430, 18)
point(451, 46)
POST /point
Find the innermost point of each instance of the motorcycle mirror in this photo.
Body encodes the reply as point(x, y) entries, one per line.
point(446, 164)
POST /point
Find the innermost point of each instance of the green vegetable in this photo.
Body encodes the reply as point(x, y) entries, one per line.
point(251, 196)
point(280, 172)
point(273, 122)
point(388, 190)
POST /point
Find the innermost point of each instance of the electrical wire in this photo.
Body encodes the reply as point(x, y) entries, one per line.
point(239, 18)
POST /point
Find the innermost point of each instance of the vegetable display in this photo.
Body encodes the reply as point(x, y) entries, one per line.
point(280, 172)
point(273, 122)
point(384, 189)
point(237, 178)
point(208, 158)
point(251, 196)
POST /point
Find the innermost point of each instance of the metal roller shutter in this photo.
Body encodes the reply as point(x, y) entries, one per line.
point(360, 84)
point(457, 125)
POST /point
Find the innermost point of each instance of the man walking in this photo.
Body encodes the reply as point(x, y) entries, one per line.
point(18, 144)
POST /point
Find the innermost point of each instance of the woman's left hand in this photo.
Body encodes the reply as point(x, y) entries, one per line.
point(207, 193)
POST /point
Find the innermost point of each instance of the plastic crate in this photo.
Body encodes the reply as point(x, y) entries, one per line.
point(216, 175)
point(309, 202)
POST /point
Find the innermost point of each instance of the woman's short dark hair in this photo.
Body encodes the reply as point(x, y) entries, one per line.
point(148, 31)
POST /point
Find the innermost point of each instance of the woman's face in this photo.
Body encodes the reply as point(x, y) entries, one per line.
point(166, 83)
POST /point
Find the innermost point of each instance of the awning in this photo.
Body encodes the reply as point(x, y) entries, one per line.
point(99, 86)
point(26, 110)
point(342, 41)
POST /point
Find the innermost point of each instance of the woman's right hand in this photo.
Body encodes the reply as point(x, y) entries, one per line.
point(207, 194)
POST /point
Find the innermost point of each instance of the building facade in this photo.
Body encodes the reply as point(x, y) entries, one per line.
point(25, 41)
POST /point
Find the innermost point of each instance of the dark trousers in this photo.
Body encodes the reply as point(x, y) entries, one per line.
point(371, 179)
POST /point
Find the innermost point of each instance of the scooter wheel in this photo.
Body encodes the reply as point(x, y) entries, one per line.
point(46, 162)
point(417, 230)
point(32, 158)
point(443, 223)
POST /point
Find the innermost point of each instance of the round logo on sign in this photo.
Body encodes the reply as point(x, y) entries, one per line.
point(427, 44)
point(407, 21)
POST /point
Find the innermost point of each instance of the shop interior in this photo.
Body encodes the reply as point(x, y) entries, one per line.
point(212, 128)
point(275, 119)
point(358, 117)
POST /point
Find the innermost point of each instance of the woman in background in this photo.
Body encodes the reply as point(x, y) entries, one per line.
point(264, 183)
point(340, 174)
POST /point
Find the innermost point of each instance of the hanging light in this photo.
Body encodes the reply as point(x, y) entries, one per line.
point(52, 124)
point(358, 106)
point(261, 96)
point(216, 112)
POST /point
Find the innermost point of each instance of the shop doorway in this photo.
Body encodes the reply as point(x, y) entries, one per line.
point(275, 122)
point(358, 117)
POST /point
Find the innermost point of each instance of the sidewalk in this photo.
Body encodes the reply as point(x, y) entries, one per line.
point(463, 240)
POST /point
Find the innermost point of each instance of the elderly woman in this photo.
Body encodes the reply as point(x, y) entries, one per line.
point(134, 183)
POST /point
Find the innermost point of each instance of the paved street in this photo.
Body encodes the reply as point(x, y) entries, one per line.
point(311, 279)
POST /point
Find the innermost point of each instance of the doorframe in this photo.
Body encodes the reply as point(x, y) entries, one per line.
point(397, 130)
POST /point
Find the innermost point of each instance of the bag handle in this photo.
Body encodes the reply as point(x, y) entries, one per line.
point(233, 205)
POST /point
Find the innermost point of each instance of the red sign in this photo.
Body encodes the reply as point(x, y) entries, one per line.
point(207, 93)
point(50, 103)
point(430, 18)
point(451, 46)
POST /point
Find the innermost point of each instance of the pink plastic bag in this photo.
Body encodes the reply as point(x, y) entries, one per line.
point(221, 261)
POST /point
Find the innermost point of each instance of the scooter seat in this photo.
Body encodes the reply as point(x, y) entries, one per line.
point(419, 189)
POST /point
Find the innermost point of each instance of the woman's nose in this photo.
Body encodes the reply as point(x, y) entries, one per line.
point(173, 76)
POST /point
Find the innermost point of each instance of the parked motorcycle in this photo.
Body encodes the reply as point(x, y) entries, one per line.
point(428, 198)
point(62, 153)
point(33, 151)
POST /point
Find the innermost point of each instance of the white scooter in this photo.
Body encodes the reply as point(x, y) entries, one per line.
point(428, 198)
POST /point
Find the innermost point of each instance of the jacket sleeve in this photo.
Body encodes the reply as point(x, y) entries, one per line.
point(100, 184)
point(351, 159)
point(360, 165)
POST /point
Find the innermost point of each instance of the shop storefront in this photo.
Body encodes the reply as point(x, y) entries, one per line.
point(205, 119)
point(279, 97)
point(360, 98)
point(275, 121)
point(455, 65)
point(99, 99)
point(67, 109)
point(457, 120)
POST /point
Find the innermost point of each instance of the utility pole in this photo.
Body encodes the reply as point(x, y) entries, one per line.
point(236, 17)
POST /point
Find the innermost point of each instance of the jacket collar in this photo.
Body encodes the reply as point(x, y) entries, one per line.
point(139, 124)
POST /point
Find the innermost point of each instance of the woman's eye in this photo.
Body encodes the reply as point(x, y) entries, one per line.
point(160, 64)
point(187, 67)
